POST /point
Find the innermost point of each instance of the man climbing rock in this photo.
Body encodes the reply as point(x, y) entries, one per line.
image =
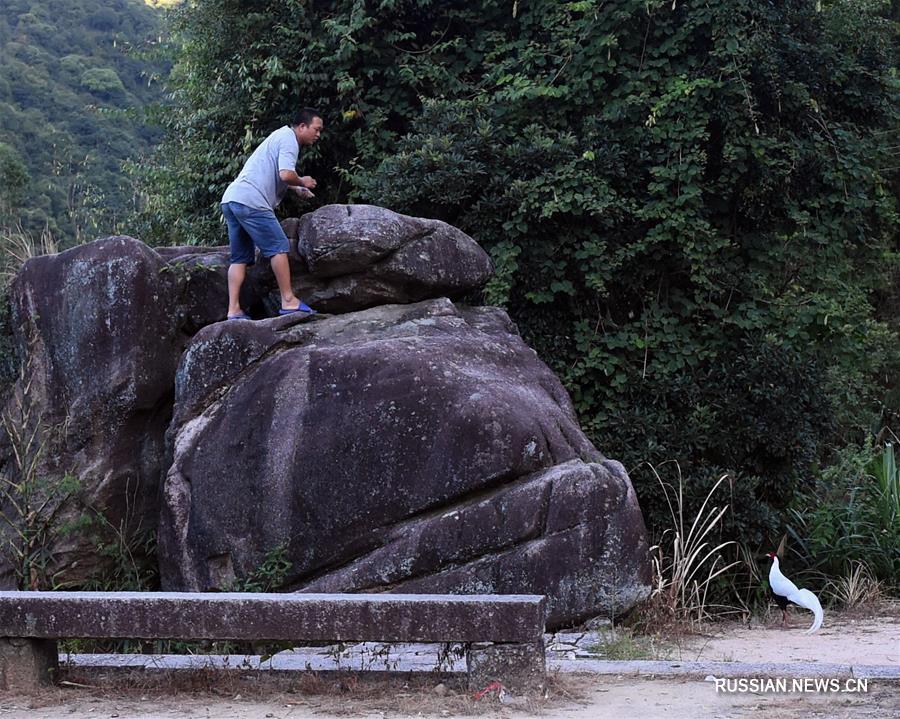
point(249, 208)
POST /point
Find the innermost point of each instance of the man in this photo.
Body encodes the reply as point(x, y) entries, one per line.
point(249, 208)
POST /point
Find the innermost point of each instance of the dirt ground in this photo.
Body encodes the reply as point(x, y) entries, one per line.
point(207, 694)
point(572, 697)
point(848, 640)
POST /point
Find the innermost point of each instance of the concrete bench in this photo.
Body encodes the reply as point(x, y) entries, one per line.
point(503, 634)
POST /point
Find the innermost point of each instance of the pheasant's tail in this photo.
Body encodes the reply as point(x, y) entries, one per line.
point(805, 598)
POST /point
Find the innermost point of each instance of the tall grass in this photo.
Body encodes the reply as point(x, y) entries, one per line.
point(687, 561)
point(17, 246)
point(887, 475)
point(857, 588)
point(31, 502)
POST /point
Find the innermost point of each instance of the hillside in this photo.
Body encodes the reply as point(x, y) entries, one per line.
point(76, 80)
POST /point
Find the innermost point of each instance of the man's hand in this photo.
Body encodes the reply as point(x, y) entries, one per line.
point(294, 181)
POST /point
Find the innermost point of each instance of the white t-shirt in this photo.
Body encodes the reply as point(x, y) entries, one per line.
point(258, 184)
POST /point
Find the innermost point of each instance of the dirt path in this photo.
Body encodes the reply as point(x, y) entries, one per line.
point(579, 697)
point(843, 641)
point(207, 694)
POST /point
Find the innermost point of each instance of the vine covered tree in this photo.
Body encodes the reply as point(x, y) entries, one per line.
point(691, 206)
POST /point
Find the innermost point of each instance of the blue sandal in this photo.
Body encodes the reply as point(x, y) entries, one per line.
point(302, 308)
point(241, 316)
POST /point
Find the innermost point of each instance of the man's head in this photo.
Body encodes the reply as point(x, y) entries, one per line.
point(307, 124)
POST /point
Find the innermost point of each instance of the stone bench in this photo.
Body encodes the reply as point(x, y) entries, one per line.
point(503, 634)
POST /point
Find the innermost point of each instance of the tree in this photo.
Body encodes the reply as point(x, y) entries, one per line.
point(13, 182)
point(102, 81)
point(71, 83)
point(689, 206)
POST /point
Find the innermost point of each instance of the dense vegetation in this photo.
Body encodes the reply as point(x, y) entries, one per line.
point(691, 206)
point(75, 79)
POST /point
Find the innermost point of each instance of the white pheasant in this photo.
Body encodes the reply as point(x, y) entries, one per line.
point(786, 591)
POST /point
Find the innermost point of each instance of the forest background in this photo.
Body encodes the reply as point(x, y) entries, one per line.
point(691, 206)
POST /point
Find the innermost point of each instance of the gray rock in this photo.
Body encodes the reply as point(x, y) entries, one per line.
point(97, 326)
point(572, 638)
point(342, 239)
point(420, 448)
point(339, 240)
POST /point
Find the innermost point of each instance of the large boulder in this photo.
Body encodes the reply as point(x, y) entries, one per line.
point(101, 329)
point(417, 447)
point(345, 258)
point(371, 256)
point(97, 326)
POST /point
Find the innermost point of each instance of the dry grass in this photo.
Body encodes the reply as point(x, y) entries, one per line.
point(18, 246)
point(686, 561)
point(857, 589)
point(625, 643)
point(30, 503)
point(886, 607)
point(341, 693)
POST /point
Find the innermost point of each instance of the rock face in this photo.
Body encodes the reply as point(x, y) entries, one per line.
point(405, 444)
point(410, 447)
point(102, 327)
point(98, 326)
point(361, 256)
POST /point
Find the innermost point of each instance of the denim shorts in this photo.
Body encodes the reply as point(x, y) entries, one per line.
point(248, 227)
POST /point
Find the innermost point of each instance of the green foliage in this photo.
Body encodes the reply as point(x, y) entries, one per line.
point(887, 495)
point(852, 516)
point(75, 77)
point(622, 644)
point(131, 552)
point(13, 182)
point(268, 576)
point(691, 207)
point(103, 82)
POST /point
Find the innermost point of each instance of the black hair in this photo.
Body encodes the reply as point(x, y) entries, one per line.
point(304, 116)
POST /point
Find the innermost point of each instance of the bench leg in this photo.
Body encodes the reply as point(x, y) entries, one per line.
point(518, 667)
point(27, 664)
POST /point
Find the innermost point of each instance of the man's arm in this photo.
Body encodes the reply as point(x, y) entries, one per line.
point(292, 179)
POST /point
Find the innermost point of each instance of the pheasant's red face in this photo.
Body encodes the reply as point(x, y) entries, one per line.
point(771, 555)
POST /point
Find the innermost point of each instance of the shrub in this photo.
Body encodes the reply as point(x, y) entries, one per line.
point(31, 501)
point(851, 517)
point(14, 180)
point(688, 558)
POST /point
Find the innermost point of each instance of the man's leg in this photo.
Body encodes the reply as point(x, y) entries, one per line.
point(242, 254)
point(236, 274)
point(269, 237)
point(282, 268)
